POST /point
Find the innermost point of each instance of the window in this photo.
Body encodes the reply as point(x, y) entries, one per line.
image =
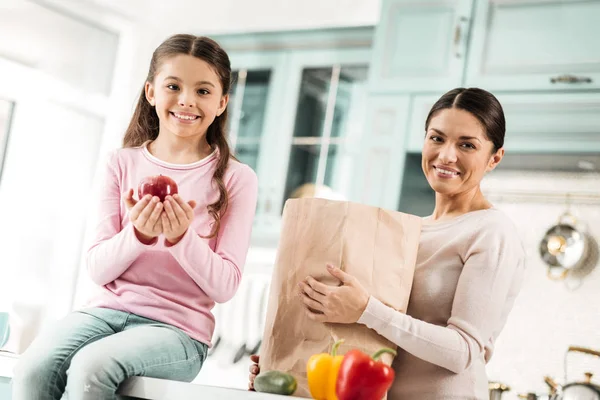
point(329, 117)
point(247, 106)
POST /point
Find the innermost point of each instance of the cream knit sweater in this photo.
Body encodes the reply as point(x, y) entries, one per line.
point(469, 271)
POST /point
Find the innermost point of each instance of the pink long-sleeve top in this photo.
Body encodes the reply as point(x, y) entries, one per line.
point(469, 271)
point(178, 284)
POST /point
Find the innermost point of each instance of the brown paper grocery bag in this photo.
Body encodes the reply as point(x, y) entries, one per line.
point(379, 247)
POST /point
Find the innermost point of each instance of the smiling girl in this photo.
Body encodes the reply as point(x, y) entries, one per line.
point(161, 266)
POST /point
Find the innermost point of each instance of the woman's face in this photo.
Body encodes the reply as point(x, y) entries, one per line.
point(457, 153)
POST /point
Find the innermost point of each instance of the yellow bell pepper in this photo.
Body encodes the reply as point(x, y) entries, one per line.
point(322, 372)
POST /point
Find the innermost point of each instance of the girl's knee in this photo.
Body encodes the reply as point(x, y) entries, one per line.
point(35, 374)
point(93, 375)
point(91, 367)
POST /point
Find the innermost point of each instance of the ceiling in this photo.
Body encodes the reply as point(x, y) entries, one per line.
point(225, 16)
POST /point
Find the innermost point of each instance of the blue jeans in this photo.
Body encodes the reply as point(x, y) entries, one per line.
point(90, 352)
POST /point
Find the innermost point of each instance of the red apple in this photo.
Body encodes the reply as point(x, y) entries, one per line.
point(158, 185)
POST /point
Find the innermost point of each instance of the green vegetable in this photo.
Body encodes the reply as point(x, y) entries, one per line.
point(275, 382)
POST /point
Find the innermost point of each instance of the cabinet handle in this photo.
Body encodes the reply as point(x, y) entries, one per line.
point(570, 79)
point(458, 35)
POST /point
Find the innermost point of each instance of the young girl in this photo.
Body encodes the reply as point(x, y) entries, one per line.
point(161, 265)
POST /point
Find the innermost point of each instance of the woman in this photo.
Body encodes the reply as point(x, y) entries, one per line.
point(469, 268)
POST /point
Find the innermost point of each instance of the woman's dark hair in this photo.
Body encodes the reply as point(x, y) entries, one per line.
point(481, 104)
point(144, 124)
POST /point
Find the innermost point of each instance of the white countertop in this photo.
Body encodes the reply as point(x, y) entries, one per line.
point(7, 363)
point(159, 389)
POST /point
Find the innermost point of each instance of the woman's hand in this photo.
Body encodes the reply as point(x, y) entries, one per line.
point(341, 304)
point(144, 214)
point(176, 218)
point(254, 370)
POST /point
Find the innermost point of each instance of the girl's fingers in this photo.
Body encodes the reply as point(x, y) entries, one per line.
point(139, 207)
point(147, 211)
point(166, 223)
point(154, 216)
point(127, 197)
point(188, 208)
point(176, 204)
point(171, 212)
point(157, 228)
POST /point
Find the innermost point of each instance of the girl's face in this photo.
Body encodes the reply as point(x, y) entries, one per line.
point(187, 95)
point(457, 153)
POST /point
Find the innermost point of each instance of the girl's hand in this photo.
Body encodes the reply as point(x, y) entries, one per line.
point(144, 214)
point(176, 218)
point(254, 370)
point(341, 304)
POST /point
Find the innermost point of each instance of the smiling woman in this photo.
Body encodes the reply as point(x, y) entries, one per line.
point(469, 268)
point(464, 139)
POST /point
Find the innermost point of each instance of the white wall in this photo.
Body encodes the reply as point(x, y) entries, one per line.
point(547, 317)
point(60, 128)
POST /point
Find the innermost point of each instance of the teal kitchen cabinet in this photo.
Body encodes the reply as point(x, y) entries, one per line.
point(535, 123)
point(258, 85)
point(296, 113)
point(379, 166)
point(552, 123)
point(322, 121)
point(420, 106)
point(535, 45)
point(420, 46)
point(5, 389)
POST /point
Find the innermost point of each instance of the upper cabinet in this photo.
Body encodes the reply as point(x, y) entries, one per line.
point(556, 123)
point(551, 123)
point(535, 45)
point(256, 95)
point(296, 114)
point(420, 46)
point(378, 166)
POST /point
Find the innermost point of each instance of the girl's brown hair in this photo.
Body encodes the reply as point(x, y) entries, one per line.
point(144, 124)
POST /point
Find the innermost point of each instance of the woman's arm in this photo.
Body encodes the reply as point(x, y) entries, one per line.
point(490, 279)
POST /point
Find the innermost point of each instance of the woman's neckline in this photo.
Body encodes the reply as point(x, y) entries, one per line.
point(428, 223)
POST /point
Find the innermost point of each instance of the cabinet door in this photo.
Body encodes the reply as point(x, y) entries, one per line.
point(552, 123)
point(535, 44)
point(420, 106)
point(253, 106)
point(322, 119)
point(378, 175)
point(535, 123)
point(420, 46)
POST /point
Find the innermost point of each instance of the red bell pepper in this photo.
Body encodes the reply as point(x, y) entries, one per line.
point(362, 377)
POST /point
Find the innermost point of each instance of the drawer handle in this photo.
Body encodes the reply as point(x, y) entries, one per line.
point(571, 79)
point(458, 36)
